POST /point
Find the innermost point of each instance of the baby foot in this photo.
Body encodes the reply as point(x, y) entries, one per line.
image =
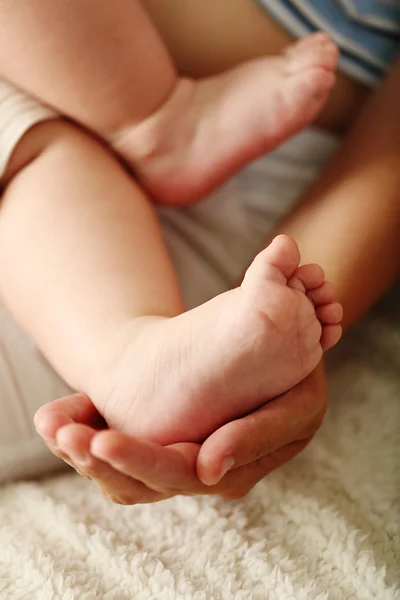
point(209, 129)
point(180, 379)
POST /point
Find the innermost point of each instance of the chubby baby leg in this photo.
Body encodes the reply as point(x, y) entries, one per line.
point(84, 270)
point(81, 252)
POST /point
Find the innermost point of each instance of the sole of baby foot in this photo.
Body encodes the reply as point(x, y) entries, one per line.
point(179, 379)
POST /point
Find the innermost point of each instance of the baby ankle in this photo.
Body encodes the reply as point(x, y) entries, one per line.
point(100, 381)
point(136, 141)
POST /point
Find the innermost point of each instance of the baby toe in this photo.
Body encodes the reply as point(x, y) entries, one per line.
point(331, 334)
point(278, 262)
point(316, 50)
point(311, 276)
point(330, 313)
point(321, 295)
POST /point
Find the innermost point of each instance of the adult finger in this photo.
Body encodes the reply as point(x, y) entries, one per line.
point(172, 470)
point(121, 488)
point(238, 482)
point(156, 469)
point(160, 468)
point(57, 452)
point(77, 408)
point(295, 416)
point(74, 442)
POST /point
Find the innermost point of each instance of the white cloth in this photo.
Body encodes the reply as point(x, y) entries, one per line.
point(18, 113)
point(323, 527)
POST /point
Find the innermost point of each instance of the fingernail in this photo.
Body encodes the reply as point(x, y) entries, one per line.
point(227, 465)
point(82, 459)
point(51, 441)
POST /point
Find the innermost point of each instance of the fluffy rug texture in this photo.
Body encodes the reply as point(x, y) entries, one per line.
point(324, 527)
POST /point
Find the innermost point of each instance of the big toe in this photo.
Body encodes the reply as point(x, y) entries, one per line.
point(310, 66)
point(278, 262)
point(314, 51)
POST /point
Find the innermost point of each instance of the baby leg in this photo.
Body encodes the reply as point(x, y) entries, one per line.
point(84, 270)
point(81, 252)
point(103, 65)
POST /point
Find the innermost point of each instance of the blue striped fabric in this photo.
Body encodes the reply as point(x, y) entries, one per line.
point(366, 31)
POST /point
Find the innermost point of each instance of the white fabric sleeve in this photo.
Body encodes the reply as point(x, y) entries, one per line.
point(18, 113)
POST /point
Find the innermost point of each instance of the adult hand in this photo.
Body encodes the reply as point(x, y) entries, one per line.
point(132, 471)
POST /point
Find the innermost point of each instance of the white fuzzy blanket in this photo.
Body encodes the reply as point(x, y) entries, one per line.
point(324, 527)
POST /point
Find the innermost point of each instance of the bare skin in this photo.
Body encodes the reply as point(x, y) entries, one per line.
point(206, 38)
point(196, 39)
point(208, 129)
point(182, 137)
point(178, 380)
point(138, 471)
point(113, 324)
point(104, 66)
